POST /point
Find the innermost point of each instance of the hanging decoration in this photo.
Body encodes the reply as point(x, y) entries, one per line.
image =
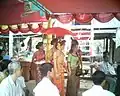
point(83, 18)
point(117, 15)
point(104, 17)
point(35, 28)
point(23, 28)
point(14, 28)
point(64, 18)
point(4, 29)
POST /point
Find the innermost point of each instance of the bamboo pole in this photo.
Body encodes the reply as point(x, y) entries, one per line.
point(49, 38)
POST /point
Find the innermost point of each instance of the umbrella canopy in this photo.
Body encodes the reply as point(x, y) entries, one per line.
point(57, 31)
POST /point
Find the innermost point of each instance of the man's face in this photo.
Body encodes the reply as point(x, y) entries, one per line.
point(107, 58)
point(19, 72)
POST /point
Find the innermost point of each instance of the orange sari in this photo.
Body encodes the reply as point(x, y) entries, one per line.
point(58, 58)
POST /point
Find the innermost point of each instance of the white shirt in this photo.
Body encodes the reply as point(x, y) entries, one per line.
point(46, 88)
point(97, 90)
point(21, 81)
point(9, 88)
point(107, 68)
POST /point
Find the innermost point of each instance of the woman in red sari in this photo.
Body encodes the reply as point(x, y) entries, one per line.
point(38, 58)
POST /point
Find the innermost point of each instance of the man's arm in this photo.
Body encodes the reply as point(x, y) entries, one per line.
point(111, 70)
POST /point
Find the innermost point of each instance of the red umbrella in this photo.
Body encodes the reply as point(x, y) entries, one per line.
point(57, 31)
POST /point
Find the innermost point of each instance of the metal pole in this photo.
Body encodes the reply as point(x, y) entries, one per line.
point(106, 44)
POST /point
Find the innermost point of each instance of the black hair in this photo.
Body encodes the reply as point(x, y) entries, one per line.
point(72, 47)
point(39, 44)
point(98, 77)
point(105, 54)
point(55, 40)
point(1, 58)
point(61, 43)
point(45, 68)
point(74, 41)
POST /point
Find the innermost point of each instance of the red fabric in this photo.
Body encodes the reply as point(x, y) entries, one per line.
point(11, 10)
point(83, 18)
point(6, 31)
point(82, 38)
point(14, 30)
point(117, 15)
point(57, 31)
point(12, 14)
point(65, 18)
point(4, 3)
point(35, 30)
point(24, 30)
point(82, 6)
point(104, 17)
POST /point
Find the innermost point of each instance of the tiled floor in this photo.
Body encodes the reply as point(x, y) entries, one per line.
point(84, 85)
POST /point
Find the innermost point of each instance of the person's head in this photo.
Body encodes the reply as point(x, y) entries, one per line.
point(60, 45)
point(74, 48)
point(74, 42)
point(106, 56)
point(39, 45)
point(2, 52)
point(15, 68)
point(47, 70)
point(54, 41)
point(98, 77)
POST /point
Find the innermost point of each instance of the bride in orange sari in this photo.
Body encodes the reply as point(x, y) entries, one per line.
point(58, 58)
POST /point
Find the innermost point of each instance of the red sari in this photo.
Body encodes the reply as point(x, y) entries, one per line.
point(35, 68)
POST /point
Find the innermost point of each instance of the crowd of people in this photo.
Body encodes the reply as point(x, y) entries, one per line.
point(48, 71)
point(57, 57)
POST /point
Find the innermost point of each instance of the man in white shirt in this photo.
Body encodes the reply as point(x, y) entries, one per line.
point(10, 85)
point(109, 71)
point(23, 88)
point(45, 87)
point(98, 77)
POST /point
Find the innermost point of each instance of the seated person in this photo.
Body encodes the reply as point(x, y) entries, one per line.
point(109, 71)
point(98, 77)
point(10, 86)
point(45, 87)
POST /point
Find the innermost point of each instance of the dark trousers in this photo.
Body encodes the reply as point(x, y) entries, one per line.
point(117, 91)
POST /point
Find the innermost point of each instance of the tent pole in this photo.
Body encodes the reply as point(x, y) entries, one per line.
point(49, 38)
point(10, 44)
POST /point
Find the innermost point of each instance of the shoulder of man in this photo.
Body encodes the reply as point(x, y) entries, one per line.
point(4, 87)
point(87, 92)
point(108, 93)
point(5, 82)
